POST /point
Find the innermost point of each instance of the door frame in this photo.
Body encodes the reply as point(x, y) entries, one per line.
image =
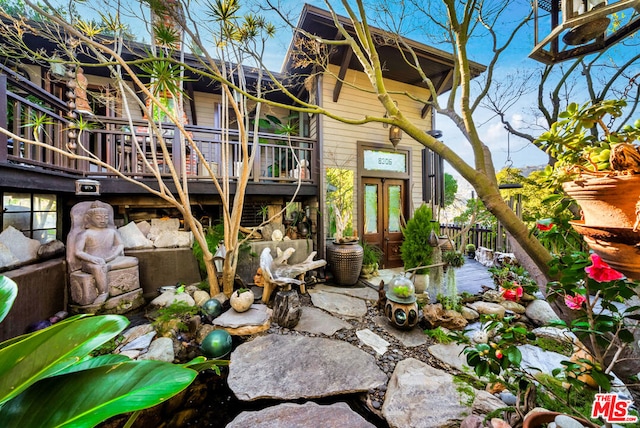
point(362, 173)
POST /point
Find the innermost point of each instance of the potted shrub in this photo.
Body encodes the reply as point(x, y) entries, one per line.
point(601, 173)
point(371, 258)
point(471, 251)
point(417, 249)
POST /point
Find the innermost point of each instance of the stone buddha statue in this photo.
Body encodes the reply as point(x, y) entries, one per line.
point(95, 253)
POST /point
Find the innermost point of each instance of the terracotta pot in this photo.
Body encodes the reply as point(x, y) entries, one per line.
point(606, 201)
point(616, 246)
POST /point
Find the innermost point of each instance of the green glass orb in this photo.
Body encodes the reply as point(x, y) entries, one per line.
point(217, 344)
point(212, 308)
point(400, 316)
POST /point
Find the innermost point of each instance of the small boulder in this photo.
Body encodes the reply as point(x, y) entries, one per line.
point(513, 306)
point(170, 296)
point(435, 316)
point(488, 308)
point(540, 313)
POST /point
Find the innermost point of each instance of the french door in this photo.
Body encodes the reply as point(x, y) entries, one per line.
point(383, 215)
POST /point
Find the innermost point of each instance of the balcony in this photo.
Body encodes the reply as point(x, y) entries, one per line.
point(278, 159)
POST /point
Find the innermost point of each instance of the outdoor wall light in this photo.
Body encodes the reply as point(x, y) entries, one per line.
point(395, 135)
point(218, 258)
point(85, 186)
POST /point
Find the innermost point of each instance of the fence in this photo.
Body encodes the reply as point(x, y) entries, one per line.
point(481, 236)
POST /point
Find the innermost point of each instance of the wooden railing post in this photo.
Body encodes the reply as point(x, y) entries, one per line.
point(4, 150)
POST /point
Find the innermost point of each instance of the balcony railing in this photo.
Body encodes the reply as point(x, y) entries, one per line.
point(278, 158)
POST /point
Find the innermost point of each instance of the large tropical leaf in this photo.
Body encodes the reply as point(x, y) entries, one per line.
point(86, 398)
point(47, 352)
point(8, 293)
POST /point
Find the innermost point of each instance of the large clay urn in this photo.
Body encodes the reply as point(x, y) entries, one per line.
point(606, 201)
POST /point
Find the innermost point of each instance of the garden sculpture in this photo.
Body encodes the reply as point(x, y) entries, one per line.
point(98, 268)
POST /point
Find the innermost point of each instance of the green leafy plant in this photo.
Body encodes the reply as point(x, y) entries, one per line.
point(439, 335)
point(576, 147)
point(54, 366)
point(402, 291)
point(416, 250)
point(454, 259)
point(174, 315)
point(591, 288)
point(372, 253)
point(507, 275)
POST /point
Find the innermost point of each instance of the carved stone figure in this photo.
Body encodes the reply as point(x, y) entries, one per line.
point(101, 278)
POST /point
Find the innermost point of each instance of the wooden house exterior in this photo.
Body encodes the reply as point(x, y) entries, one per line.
point(391, 177)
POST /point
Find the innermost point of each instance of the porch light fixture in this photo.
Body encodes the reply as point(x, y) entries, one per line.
point(86, 187)
point(395, 135)
point(218, 258)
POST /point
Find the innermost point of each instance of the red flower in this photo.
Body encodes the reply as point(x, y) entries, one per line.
point(601, 271)
point(513, 293)
point(499, 354)
point(574, 302)
point(544, 225)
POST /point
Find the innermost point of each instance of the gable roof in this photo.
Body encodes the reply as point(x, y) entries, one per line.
point(438, 65)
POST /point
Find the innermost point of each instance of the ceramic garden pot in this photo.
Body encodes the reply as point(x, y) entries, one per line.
point(606, 201)
point(345, 261)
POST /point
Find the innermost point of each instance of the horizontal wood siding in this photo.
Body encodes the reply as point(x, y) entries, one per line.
point(356, 102)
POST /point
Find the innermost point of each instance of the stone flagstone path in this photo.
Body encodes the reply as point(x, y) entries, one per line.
point(338, 348)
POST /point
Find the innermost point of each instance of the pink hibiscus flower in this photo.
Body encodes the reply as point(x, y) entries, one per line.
point(601, 271)
point(574, 302)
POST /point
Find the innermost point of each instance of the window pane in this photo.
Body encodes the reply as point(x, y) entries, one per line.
point(19, 220)
point(44, 236)
point(44, 220)
point(13, 202)
point(394, 209)
point(370, 208)
point(44, 202)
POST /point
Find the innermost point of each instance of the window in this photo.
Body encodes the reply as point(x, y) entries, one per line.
point(34, 214)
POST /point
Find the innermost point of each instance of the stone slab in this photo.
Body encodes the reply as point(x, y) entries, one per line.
point(371, 339)
point(123, 303)
point(24, 249)
point(365, 293)
point(451, 355)
point(317, 321)
point(273, 366)
point(408, 338)
point(339, 304)
point(307, 415)
point(422, 396)
point(255, 316)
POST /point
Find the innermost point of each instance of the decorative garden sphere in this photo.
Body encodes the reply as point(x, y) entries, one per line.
point(212, 308)
point(217, 344)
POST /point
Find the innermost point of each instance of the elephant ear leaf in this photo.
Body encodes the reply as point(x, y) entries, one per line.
point(116, 389)
point(8, 293)
point(46, 352)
